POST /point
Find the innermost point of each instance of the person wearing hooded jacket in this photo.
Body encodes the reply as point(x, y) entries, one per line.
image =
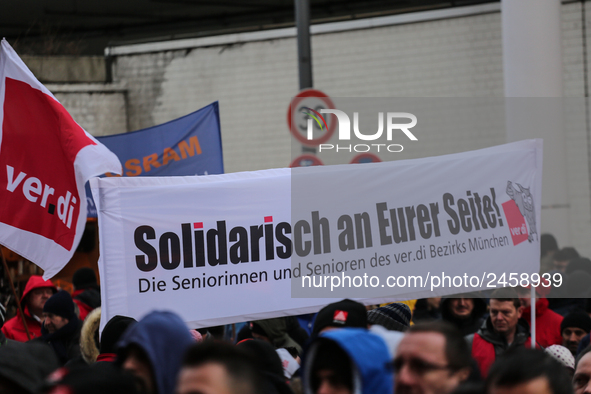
point(152, 349)
point(354, 359)
point(274, 331)
point(547, 321)
point(466, 313)
point(37, 292)
point(89, 337)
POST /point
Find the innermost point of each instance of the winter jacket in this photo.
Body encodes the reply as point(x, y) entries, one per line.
point(487, 344)
point(87, 300)
point(14, 328)
point(65, 342)
point(89, 336)
point(369, 354)
point(276, 330)
point(26, 364)
point(469, 325)
point(547, 324)
point(422, 312)
point(165, 338)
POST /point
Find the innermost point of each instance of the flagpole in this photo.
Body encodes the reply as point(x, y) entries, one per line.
point(533, 316)
point(18, 304)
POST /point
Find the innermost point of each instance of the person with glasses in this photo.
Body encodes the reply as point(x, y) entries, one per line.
point(37, 292)
point(432, 357)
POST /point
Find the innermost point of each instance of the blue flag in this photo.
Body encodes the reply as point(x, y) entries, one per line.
point(191, 145)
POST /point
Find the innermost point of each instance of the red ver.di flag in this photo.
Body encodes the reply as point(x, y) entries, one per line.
point(45, 160)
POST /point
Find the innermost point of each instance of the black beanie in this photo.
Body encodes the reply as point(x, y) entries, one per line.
point(578, 319)
point(83, 278)
point(60, 304)
point(113, 331)
point(395, 316)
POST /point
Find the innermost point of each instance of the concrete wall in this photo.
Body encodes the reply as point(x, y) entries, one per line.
point(81, 84)
point(101, 109)
point(67, 69)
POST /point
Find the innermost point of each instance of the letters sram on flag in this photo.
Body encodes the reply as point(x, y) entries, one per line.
point(45, 160)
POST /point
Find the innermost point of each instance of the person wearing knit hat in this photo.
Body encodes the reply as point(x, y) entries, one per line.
point(394, 317)
point(573, 328)
point(86, 291)
point(345, 313)
point(563, 356)
point(61, 327)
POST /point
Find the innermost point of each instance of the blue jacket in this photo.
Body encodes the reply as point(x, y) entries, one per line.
point(369, 355)
point(165, 338)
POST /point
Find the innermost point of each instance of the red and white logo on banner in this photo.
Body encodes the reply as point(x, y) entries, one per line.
point(45, 160)
point(516, 222)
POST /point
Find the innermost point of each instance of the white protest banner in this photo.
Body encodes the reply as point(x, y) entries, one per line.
point(45, 160)
point(227, 248)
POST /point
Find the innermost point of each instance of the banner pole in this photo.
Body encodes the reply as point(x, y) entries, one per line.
point(533, 316)
point(18, 303)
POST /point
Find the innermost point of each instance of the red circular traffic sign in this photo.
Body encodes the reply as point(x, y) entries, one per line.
point(366, 158)
point(306, 161)
point(305, 99)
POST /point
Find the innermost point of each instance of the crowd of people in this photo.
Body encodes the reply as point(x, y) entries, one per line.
point(467, 343)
